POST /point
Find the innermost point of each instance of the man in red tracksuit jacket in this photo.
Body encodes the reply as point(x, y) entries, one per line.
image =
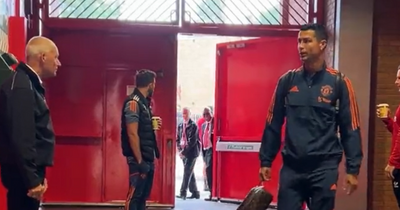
point(392, 170)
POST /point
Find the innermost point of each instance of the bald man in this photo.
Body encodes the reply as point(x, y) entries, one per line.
point(188, 144)
point(26, 131)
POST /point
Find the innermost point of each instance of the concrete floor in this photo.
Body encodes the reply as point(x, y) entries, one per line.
point(196, 204)
point(199, 204)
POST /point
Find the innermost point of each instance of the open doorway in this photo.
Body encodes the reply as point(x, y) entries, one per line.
point(196, 90)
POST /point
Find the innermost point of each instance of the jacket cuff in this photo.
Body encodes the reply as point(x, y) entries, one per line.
point(33, 181)
point(352, 171)
point(387, 120)
point(267, 164)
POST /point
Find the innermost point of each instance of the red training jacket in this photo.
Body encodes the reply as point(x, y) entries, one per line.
point(393, 125)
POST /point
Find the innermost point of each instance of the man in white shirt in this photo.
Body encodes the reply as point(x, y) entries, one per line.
point(207, 144)
point(187, 142)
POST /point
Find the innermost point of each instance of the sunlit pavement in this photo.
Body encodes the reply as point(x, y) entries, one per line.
point(198, 171)
point(196, 204)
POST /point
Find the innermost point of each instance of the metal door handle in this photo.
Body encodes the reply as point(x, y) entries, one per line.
point(169, 143)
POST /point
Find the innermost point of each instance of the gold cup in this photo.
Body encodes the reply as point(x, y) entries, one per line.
point(156, 123)
point(383, 110)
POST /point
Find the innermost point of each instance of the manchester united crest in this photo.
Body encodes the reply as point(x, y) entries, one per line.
point(326, 90)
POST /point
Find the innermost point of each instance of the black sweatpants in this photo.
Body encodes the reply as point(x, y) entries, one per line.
point(395, 185)
point(207, 157)
point(295, 188)
point(139, 187)
point(189, 179)
point(17, 198)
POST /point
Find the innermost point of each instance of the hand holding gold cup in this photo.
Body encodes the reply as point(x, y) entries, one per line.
point(157, 123)
point(383, 111)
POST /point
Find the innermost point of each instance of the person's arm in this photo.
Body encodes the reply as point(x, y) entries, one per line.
point(178, 138)
point(394, 158)
point(389, 124)
point(131, 112)
point(271, 139)
point(349, 127)
point(199, 124)
point(23, 133)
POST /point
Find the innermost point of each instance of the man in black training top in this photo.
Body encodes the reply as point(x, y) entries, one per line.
point(138, 140)
point(27, 137)
point(317, 102)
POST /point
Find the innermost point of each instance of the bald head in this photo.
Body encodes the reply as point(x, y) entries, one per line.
point(186, 113)
point(38, 45)
point(42, 55)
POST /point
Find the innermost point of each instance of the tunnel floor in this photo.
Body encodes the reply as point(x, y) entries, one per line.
point(199, 204)
point(180, 205)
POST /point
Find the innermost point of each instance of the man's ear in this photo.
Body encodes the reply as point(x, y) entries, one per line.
point(43, 57)
point(322, 44)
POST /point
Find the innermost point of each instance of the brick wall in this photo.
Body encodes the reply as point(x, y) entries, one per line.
point(388, 47)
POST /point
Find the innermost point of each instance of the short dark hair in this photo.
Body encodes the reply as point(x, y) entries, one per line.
point(144, 77)
point(209, 108)
point(320, 30)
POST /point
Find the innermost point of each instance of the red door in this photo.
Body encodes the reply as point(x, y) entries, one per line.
point(247, 72)
point(85, 100)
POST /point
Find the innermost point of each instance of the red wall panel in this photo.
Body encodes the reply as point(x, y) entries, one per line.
point(85, 100)
point(76, 101)
point(77, 173)
point(17, 37)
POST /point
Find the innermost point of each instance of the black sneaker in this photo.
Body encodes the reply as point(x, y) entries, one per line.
point(183, 197)
point(208, 199)
point(195, 195)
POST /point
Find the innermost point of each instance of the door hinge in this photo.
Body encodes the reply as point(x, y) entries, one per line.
point(218, 125)
point(218, 52)
point(169, 143)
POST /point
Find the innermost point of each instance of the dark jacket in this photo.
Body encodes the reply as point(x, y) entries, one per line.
point(27, 137)
point(192, 150)
point(147, 137)
point(312, 122)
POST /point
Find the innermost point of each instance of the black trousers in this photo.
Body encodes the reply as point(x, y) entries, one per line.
point(296, 188)
point(17, 198)
point(189, 179)
point(207, 157)
point(139, 187)
point(395, 185)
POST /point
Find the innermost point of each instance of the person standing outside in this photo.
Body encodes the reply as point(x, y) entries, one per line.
point(187, 142)
point(206, 140)
point(27, 137)
point(318, 102)
point(138, 139)
point(200, 122)
point(392, 169)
